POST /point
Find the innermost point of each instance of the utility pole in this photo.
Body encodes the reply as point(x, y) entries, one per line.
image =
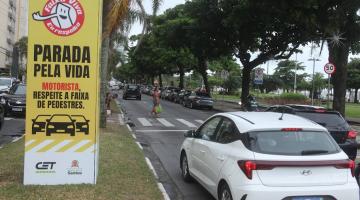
point(313, 76)
point(296, 65)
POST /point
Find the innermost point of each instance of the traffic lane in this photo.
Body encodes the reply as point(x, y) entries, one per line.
point(142, 109)
point(165, 143)
point(166, 146)
point(12, 129)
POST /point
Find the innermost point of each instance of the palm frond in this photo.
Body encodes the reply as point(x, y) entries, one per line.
point(156, 6)
point(119, 9)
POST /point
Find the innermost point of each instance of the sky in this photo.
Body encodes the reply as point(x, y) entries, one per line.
point(300, 57)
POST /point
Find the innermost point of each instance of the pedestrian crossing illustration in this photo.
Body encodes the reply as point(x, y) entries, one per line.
point(168, 123)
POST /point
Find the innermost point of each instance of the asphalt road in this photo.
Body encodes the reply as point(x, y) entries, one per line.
point(13, 128)
point(162, 138)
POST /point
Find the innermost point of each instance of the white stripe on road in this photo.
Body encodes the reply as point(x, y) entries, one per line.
point(8, 118)
point(189, 124)
point(17, 139)
point(139, 145)
point(150, 131)
point(144, 122)
point(199, 121)
point(165, 122)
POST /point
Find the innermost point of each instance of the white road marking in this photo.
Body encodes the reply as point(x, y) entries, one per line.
point(199, 121)
point(127, 125)
point(134, 136)
point(189, 124)
point(8, 118)
point(163, 191)
point(17, 139)
point(144, 122)
point(165, 122)
point(138, 143)
point(151, 167)
point(149, 131)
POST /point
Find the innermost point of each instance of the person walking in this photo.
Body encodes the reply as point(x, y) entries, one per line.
point(156, 100)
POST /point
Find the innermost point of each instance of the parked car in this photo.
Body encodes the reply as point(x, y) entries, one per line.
point(173, 94)
point(339, 129)
point(132, 91)
point(199, 100)
point(180, 97)
point(14, 101)
point(165, 93)
point(258, 155)
point(6, 83)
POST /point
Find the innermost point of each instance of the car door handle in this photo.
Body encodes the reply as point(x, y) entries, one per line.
point(221, 158)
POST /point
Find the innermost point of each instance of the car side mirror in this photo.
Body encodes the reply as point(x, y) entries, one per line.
point(73, 121)
point(33, 120)
point(190, 134)
point(87, 121)
point(48, 120)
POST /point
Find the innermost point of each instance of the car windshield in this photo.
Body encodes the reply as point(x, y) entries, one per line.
point(61, 118)
point(5, 81)
point(18, 90)
point(202, 94)
point(328, 120)
point(291, 143)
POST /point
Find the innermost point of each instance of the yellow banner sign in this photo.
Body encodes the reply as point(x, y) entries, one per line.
point(62, 91)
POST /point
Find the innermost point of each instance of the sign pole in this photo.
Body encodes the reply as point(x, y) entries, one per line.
point(328, 95)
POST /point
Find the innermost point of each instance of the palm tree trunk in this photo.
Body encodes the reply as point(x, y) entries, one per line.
point(103, 74)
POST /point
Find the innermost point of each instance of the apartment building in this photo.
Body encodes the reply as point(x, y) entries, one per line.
point(21, 27)
point(7, 32)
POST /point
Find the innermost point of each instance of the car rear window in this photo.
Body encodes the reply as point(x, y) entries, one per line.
point(201, 94)
point(301, 143)
point(328, 120)
point(133, 87)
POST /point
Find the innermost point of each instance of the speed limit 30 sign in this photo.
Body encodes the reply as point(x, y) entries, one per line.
point(329, 68)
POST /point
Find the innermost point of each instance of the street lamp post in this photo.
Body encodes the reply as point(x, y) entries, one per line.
point(313, 76)
point(296, 65)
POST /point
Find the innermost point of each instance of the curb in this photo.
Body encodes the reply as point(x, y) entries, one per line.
point(16, 139)
point(147, 160)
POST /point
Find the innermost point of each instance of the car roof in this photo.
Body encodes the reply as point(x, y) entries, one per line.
point(305, 106)
point(262, 121)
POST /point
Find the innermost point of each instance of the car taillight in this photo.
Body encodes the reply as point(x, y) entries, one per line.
point(291, 129)
point(247, 167)
point(352, 134)
point(349, 164)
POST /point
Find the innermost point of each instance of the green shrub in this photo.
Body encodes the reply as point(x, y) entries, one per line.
point(293, 96)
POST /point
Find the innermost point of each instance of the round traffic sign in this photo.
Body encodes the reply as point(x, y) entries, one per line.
point(329, 68)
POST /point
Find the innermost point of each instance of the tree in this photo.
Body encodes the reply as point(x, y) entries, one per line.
point(353, 76)
point(285, 71)
point(262, 30)
point(118, 15)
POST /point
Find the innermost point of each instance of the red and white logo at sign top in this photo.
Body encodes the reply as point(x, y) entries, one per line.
point(62, 17)
point(329, 68)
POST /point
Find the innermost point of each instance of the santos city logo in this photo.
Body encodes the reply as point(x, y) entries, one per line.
point(61, 17)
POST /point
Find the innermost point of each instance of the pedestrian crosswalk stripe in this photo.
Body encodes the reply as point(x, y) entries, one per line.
point(144, 122)
point(189, 124)
point(165, 122)
point(199, 121)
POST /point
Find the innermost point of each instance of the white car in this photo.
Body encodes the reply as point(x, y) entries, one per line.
point(267, 156)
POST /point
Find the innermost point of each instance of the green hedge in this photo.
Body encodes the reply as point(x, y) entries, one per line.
point(293, 96)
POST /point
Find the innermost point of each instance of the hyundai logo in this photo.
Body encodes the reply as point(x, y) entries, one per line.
point(306, 172)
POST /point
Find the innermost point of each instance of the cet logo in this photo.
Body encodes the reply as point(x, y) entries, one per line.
point(75, 169)
point(45, 167)
point(61, 17)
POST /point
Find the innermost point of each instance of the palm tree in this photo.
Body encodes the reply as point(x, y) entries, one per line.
point(118, 16)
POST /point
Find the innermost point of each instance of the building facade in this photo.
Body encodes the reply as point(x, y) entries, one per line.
point(7, 32)
point(21, 28)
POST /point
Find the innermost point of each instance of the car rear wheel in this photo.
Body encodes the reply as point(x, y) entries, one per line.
point(185, 168)
point(225, 193)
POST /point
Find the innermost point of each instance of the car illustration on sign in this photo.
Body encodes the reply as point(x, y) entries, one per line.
point(39, 124)
point(62, 124)
point(81, 124)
